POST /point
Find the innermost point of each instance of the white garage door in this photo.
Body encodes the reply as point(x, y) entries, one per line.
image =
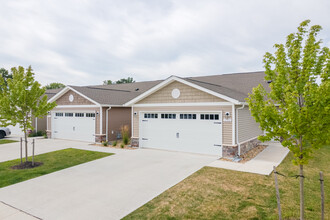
point(187, 132)
point(74, 126)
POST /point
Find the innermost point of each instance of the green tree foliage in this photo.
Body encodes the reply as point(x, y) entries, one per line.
point(23, 98)
point(121, 81)
point(55, 85)
point(127, 80)
point(5, 75)
point(296, 109)
point(107, 82)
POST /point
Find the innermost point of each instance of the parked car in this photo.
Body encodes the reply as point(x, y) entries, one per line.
point(4, 132)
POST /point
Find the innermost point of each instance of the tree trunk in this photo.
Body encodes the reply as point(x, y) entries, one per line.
point(26, 148)
point(301, 177)
point(302, 205)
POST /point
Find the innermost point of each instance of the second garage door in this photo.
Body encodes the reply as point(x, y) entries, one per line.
point(196, 132)
point(74, 126)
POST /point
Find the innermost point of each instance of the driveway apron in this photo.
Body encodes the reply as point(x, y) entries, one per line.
point(107, 188)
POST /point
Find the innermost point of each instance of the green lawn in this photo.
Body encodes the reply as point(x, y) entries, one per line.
point(3, 141)
point(213, 193)
point(52, 162)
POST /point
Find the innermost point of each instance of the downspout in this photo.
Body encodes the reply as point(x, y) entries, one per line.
point(237, 140)
point(107, 123)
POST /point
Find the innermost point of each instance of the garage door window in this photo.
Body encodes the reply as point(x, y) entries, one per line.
point(79, 115)
point(168, 116)
point(187, 116)
point(59, 114)
point(209, 117)
point(90, 115)
point(68, 114)
point(150, 115)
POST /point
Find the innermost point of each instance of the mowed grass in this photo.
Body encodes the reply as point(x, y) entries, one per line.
point(213, 193)
point(52, 162)
point(3, 141)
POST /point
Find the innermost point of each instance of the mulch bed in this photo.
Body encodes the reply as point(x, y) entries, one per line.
point(26, 165)
point(249, 155)
point(128, 147)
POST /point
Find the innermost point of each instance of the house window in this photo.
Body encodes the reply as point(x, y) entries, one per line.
point(209, 117)
point(150, 115)
point(187, 116)
point(59, 114)
point(67, 114)
point(168, 116)
point(79, 115)
point(90, 115)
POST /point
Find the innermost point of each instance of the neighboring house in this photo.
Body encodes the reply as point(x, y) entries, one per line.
point(39, 124)
point(93, 113)
point(205, 115)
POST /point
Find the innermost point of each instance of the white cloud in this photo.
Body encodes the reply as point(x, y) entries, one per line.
point(86, 42)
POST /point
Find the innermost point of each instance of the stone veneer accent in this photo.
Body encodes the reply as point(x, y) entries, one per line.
point(135, 142)
point(100, 137)
point(49, 134)
point(248, 145)
point(232, 151)
point(229, 151)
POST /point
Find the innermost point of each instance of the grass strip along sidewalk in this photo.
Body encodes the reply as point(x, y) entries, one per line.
point(52, 162)
point(214, 193)
point(3, 141)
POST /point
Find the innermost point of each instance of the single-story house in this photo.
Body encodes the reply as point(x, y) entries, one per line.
point(93, 113)
point(206, 114)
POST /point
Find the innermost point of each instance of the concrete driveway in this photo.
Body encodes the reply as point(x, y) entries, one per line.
point(108, 188)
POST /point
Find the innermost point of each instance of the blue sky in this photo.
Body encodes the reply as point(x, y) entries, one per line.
point(85, 42)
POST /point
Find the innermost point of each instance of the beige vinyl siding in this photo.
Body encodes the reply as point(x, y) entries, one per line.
point(187, 95)
point(247, 127)
point(226, 126)
point(78, 99)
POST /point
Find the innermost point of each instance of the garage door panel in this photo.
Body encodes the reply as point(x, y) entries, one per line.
point(80, 128)
point(188, 135)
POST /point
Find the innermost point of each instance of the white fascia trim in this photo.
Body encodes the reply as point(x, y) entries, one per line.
point(77, 106)
point(185, 104)
point(67, 88)
point(172, 79)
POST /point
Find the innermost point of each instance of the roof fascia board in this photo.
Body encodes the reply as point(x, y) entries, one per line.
point(172, 79)
point(67, 88)
point(184, 104)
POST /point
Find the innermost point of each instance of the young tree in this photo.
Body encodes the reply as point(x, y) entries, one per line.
point(55, 85)
point(296, 109)
point(23, 98)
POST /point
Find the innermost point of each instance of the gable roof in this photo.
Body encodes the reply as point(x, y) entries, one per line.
point(116, 94)
point(233, 87)
point(52, 92)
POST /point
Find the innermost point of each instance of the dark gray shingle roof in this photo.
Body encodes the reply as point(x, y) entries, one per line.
point(236, 86)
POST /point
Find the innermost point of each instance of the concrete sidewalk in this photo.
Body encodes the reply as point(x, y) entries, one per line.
point(262, 164)
point(8, 212)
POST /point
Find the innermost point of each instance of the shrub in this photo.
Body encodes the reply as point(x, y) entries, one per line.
point(105, 143)
point(114, 143)
point(122, 145)
point(125, 134)
point(38, 134)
